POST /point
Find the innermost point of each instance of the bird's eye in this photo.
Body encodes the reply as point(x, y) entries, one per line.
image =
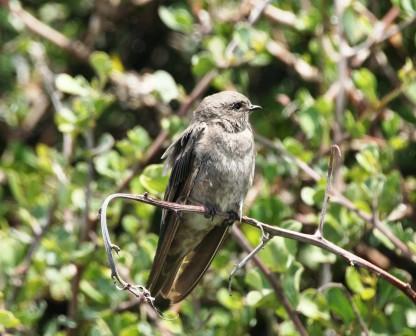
point(237, 105)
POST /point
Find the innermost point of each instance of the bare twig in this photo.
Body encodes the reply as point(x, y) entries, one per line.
point(83, 235)
point(141, 292)
point(265, 237)
point(280, 16)
point(342, 72)
point(312, 239)
point(306, 71)
point(278, 146)
point(335, 155)
point(254, 15)
point(273, 280)
point(383, 30)
point(339, 197)
point(75, 48)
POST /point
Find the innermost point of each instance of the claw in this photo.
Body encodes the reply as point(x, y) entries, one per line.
point(115, 248)
point(233, 216)
point(212, 210)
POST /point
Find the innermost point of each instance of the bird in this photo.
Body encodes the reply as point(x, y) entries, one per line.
point(212, 164)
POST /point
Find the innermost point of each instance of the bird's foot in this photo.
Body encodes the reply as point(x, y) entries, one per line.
point(211, 211)
point(233, 216)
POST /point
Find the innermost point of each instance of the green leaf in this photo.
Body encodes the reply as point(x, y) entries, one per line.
point(130, 224)
point(353, 279)
point(307, 195)
point(356, 26)
point(355, 282)
point(253, 298)
point(291, 283)
point(68, 84)
point(89, 290)
point(8, 320)
point(66, 120)
point(313, 256)
point(340, 304)
point(253, 278)
point(153, 179)
point(134, 146)
point(276, 256)
point(368, 158)
point(165, 86)
point(310, 305)
point(309, 120)
point(176, 18)
point(102, 65)
point(231, 301)
point(202, 63)
point(365, 80)
point(265, 298)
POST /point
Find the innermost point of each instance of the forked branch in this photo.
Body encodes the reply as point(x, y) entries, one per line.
point(312, 239)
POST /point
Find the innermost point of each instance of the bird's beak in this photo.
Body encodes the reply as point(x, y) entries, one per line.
point(254, 107)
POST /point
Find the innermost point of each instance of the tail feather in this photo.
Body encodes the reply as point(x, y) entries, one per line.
point(183, 279)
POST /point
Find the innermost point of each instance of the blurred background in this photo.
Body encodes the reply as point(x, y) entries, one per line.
point(92, 92)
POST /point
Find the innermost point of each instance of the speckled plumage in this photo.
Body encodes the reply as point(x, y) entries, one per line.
point(212, 165)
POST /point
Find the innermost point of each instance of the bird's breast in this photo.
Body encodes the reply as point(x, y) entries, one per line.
point(225, 163)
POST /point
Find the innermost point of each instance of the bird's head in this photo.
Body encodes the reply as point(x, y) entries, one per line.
point(226, 105)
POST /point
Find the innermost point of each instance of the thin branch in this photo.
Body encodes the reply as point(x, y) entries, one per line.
point(306, 71)
point(75, 48)
point(338, 197)
point(141, 292)
point(376, 223)
point(383, 30)
point(342, 71)
point(254, 15)
point(312, 239)
point(280, 16)
point(84, 230)
point(278, 146)
point(252, 253)
point(335, 155)
point(273, 280)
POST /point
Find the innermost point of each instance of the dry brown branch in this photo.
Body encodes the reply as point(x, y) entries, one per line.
point(75, 48)
point(335, 156)
point(339, 198)
point(313, 239)
point(84, 230)
point(342, 72)
point(302, 68)
point(281, 16)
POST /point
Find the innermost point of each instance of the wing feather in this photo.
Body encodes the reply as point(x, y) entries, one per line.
point(180, 156)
